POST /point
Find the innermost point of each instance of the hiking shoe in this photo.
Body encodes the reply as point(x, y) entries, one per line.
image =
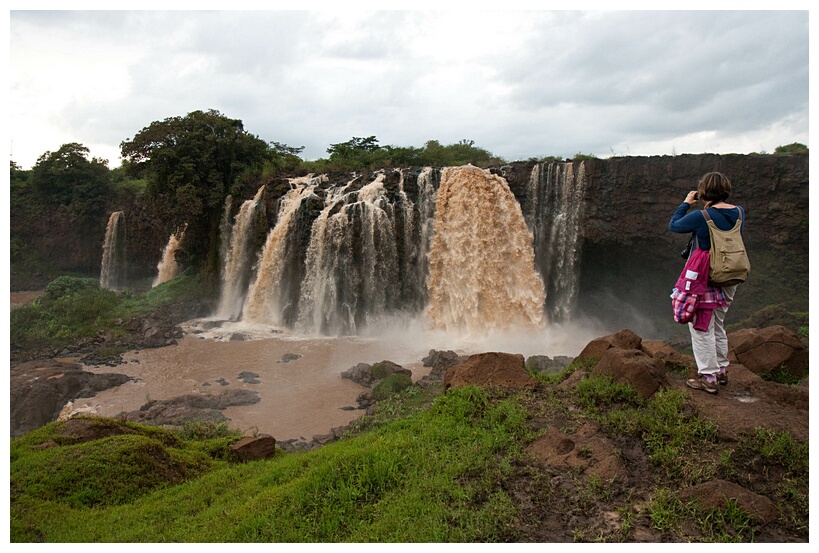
point(700, 383)
point(722, 378)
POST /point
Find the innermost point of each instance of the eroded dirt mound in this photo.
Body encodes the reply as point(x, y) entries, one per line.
point(504, 370)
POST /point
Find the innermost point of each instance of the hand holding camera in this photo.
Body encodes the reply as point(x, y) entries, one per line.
point(692, 197)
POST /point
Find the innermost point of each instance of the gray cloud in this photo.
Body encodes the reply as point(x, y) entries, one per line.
point(520, 84)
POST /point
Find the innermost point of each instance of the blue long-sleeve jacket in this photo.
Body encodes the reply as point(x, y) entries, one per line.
point(685, 223)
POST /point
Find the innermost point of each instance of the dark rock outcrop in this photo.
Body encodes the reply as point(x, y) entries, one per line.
point(622, 339)
point(191, 407)
point(366, 374)
point(39, 390)
point(440, 361)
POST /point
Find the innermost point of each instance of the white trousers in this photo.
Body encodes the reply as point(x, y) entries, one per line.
point(711, 346)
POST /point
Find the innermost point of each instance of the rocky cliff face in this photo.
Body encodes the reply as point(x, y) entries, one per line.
point(628, 260)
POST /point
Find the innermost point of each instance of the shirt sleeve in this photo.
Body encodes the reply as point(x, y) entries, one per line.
point(682, 223)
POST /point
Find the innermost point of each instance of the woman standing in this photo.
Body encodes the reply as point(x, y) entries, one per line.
point(710, 343)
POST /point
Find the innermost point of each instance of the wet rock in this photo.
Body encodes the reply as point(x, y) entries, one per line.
point(661, 350)
point(249, 377)
point(237, 337)
point(367, 375)
point(440, 361)
point(287, 357)
point(191, 407)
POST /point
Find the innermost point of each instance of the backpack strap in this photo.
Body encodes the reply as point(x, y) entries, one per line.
point(740, 215)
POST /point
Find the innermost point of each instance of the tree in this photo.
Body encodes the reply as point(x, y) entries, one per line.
point(285, 157)
point(190, 164)
point(67, 178)
point(356, 153)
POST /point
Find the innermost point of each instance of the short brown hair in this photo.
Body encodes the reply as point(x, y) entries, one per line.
point(714, 187)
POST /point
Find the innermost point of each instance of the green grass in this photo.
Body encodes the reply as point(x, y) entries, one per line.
point(433, 477)
point(421, 467)
point(74, 308)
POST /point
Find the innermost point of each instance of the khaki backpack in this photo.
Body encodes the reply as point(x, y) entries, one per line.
point(729, 260)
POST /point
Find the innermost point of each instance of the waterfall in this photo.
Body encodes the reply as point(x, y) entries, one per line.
point(168, 268)
point(237, 261)
point(225, 232)
point(415, 238)
point(453, 244)
point(269, 299)
point(554, 211)
point(351, 276)
point(481, 261)
point(112, 272)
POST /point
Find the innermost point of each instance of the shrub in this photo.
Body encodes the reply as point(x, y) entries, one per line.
point(391, 385)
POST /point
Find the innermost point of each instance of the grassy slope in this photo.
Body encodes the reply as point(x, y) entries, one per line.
point(441, 473)
point(431, 477)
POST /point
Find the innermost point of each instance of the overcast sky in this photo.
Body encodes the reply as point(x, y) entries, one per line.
point(519, 83)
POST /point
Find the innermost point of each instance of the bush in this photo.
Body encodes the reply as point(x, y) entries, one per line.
point(391, 385)
point(68, 286)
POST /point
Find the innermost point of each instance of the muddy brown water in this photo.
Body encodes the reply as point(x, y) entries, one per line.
point(302, 397)
point(299, 398)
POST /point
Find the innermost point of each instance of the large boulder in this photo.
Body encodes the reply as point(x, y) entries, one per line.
point(252, 448)
point(763, 350)
point(632, 366)
point(622, 339)
point(504, 370)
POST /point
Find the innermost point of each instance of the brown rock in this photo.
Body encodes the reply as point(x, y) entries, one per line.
point(766, 349)
point(249, 448)
point(635, 367)
point(661, 350)
point(716, 493)
point(504, 370)
point(623, 339)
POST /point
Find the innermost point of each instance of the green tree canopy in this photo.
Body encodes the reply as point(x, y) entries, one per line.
point(67, 178)
point(190, 164)
point(365, 153)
